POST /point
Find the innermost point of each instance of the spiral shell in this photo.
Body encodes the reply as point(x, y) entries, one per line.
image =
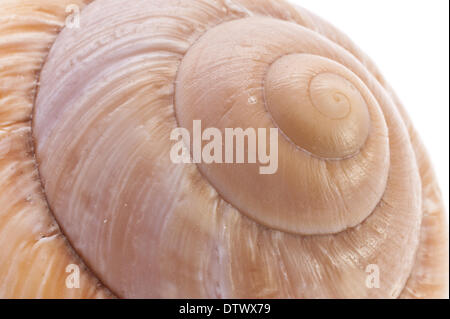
point(353, 187)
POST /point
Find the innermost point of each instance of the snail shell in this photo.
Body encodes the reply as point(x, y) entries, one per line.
point(354, 186)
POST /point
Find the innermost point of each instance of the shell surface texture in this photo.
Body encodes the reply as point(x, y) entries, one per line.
point(88, 103)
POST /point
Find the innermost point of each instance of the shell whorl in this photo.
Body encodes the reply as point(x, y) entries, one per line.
point(325, 180)
point(347, 192)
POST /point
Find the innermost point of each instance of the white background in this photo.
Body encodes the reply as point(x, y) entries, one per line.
point(409, 41)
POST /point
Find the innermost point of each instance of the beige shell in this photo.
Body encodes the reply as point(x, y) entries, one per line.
point(85, 119)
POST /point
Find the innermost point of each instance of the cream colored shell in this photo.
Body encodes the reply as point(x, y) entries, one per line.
point(85, 120)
